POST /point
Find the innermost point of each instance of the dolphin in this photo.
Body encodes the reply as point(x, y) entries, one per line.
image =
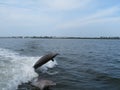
point(44, 59)
point(42, 84)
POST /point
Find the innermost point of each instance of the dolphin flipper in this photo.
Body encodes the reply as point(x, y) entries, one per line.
point(53, 60)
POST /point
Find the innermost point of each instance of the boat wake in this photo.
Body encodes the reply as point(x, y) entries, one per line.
point(17, 69)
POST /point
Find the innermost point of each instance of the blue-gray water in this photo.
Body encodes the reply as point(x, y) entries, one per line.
point(83, 64)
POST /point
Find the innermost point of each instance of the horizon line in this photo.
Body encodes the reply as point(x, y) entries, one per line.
point(63, 37)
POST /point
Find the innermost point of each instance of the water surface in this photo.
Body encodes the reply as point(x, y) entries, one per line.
point(83, 64)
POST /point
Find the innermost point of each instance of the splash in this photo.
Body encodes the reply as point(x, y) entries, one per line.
point(45, 67)
point(16, 69)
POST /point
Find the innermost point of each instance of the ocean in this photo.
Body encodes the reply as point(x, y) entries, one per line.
point(83, 64)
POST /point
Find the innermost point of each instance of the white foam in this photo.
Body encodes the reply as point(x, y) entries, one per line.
point(16, 69)
point(50, 64)
point(44, 68)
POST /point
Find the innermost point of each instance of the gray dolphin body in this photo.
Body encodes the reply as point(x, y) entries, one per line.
point(42, 84)
point(44, 59)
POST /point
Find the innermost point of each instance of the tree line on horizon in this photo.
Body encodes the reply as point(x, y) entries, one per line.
point(55, 37)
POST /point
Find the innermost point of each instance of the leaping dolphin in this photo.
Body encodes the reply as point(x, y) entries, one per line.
point(43, 84)
point(44, 59)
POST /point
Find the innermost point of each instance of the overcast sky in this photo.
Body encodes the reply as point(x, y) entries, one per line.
point(60, 18)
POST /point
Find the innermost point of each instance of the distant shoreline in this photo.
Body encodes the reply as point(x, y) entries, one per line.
point(50, 37)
